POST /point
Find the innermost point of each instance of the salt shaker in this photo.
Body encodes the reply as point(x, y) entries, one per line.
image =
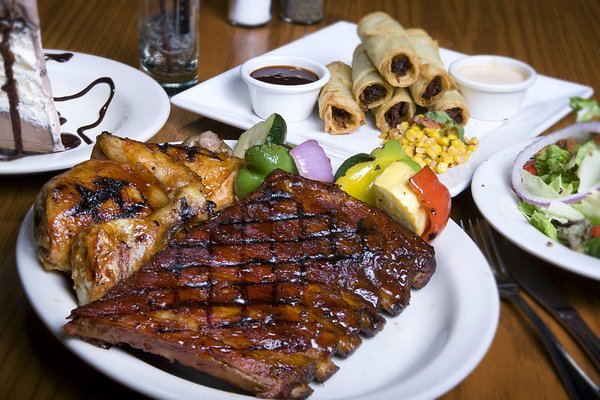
point(249, 13)
point(305, 12)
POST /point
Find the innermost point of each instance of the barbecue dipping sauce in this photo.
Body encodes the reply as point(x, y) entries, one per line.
point(285, 75)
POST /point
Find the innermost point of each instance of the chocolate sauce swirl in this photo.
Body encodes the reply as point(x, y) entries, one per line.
point(61, 57)
point(70, 141)
point(103, 109)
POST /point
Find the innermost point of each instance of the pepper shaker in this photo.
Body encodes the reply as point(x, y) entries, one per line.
point(304, 12)
point(249, 13)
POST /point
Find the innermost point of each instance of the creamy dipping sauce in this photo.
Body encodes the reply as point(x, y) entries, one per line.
point(492, 74)
point(285, 75)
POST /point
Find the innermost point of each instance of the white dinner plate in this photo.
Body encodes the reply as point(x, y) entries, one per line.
point(421, 354)
point(225, 98)
point(493, 195)
point(139, 108)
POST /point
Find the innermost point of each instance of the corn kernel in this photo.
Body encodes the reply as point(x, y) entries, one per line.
point(443, 141)
point(441, 168)
point(419, 160)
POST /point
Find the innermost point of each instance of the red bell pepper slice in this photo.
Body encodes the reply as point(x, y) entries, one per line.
point(434, 197)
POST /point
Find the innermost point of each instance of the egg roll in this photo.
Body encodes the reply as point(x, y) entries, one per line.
point(455, 105)
point(433, 79)
point(400, 107)
point(389, 48)
point(368, 87)
point(337, 107)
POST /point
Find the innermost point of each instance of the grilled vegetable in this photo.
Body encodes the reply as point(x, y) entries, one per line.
point(271, 130)
point(350, 162)
point(260, 161)
point(435, 198)
point(312, 162)
point(358, 179)
point(394, 195)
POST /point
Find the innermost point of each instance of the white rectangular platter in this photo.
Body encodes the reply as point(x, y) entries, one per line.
point(225, 98)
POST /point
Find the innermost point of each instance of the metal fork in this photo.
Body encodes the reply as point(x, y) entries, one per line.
point(577, 383)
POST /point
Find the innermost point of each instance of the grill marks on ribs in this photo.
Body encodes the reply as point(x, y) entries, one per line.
point(266, 292)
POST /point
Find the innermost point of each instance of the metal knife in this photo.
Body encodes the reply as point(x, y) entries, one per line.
point(531, 277)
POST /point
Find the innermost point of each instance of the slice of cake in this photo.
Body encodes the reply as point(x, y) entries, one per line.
point(29, 122)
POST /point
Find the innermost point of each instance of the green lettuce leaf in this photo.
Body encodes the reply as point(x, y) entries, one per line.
point(583, 151)
point(592, 247)
point(544, 224)
point(538, 218)
point(586, 109)
point(552, 162)
point(552, 190)
point(590, 207)
point(442, 118)
point(527, 209)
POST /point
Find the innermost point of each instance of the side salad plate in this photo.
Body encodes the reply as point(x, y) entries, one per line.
point(138, 109)
point(494, 196)
point(226, 99)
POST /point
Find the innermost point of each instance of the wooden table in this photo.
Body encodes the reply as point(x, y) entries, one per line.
point(558, 38)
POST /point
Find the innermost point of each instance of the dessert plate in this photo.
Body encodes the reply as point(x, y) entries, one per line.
point(493, 195)
point(139, 108)
point(421, 354)
point(225, 98)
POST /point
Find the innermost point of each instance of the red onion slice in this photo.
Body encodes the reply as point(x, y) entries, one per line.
point(312, 162)
point(575, 131)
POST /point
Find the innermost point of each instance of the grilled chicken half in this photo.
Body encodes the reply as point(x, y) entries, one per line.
point(106, 216)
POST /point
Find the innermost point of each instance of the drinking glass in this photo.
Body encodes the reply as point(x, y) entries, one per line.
point(168, 41)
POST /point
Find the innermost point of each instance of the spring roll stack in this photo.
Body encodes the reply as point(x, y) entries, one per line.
point(394, 71)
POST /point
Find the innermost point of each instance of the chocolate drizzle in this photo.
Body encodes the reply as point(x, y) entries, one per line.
point(103, 109)
point(70, 141)
point(61, 119)
point(61, 58)
point(10, 86)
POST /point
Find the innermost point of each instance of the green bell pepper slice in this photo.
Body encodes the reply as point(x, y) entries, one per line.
point(260, 161)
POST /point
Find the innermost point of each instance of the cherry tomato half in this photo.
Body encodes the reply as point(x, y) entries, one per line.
point(530, 167)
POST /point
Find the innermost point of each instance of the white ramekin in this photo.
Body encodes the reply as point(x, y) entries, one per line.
point(293, 102)
point(492, 101)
